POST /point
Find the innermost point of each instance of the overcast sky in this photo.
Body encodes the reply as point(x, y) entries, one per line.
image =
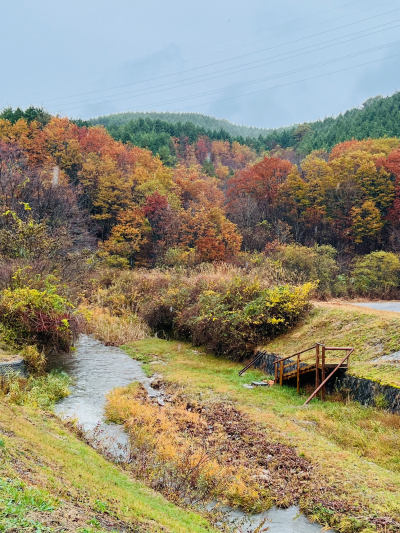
point(266, 63)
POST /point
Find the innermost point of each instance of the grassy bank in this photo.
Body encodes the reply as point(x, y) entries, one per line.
point(373, 334)
point(353, 451)
point(52, 481)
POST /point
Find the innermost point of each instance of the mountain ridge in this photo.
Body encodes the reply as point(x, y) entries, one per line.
point(199, 119)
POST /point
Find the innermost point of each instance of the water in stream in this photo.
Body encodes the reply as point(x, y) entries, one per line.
point(97, 369)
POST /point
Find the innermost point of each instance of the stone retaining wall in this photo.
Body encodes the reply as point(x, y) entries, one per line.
point(18, 365)
point(364, 391)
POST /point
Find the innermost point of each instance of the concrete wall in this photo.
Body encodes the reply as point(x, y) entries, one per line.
point(362, 390)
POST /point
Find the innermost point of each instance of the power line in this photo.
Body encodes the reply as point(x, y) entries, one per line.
point(258, 80)
point(294, 82)
point(222, 61)
point(246, 35)
point(263, 63)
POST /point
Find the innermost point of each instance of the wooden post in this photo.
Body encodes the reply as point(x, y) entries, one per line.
point(281, 374)
point(298, 374)
point(323, 374)
point(316, 366)
point(276, 373)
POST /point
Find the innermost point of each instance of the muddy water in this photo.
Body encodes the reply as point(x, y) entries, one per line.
point(97, 369)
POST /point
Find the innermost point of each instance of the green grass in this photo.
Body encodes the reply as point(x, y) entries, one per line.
point(37, 391)
point(354, 447)
point(44, 467)
point(373, 334)
point(147, 359)
point(17, 501)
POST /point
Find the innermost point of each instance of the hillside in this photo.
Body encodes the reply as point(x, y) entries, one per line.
point(377, 117)
point(198, 119)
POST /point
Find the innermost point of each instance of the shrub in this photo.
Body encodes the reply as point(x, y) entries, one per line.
point(115, 261)
point(234, 322)
point(297, 259)
point(35, 360)
point(376, 274)
point(230, 309)
point(42, 318)
point(327, 269)
point(43, 391)
point(310, 264)
point(176, 256)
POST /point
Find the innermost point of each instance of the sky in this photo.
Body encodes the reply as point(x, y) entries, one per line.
point(265, 63)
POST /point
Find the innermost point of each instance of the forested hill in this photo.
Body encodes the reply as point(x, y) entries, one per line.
point(203, 121)
point(378, 117)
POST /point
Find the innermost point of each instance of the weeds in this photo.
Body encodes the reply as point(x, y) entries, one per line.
point(16, 501)
point(367, 432)
point(194, 451)
point(40, 391)
point(115, 330)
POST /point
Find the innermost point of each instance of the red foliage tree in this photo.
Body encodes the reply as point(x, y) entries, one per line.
point(392, 165)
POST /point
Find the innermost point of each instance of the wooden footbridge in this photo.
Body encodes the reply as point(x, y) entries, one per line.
point(318, 362)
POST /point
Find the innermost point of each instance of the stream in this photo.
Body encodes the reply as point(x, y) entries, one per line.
point(97, 369)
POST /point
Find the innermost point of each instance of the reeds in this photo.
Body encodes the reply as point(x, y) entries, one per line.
point(115, 330)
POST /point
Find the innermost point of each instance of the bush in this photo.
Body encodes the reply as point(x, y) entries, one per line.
point(42, 391)
point(376, 274)
point(233, 323)
point(229, 309)
point(310, 264)
point(41, 318)
point(115, 261)
point(176, 256)
point(34, 360)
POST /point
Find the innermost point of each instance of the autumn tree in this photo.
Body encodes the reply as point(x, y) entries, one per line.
point(252, 199)
point(126, 239)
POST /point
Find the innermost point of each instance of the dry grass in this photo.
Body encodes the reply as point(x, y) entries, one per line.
point(115, 330)
point(127, 291)
point(173, 451)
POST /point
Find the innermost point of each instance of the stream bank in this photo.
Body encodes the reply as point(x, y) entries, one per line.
point(97, 369)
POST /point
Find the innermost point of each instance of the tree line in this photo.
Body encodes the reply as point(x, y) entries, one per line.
point(69, 189)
